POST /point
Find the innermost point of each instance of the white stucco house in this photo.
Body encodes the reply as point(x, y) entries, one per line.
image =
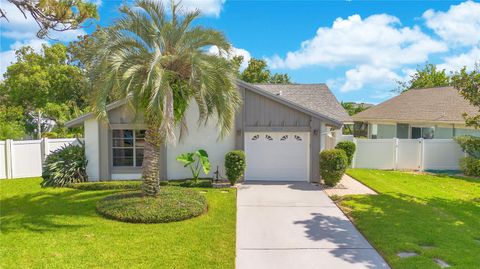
point(281, 127)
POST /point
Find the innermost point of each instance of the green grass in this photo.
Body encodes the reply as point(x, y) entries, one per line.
point(415, 210)
point(59, 228)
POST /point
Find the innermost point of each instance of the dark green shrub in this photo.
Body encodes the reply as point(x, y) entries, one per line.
point(333, 164)
point(469, 144)
point(470, 166)
point(349, 148)
point(65, 166)
point(235, 165)
point(108, 185)
point(172, 204)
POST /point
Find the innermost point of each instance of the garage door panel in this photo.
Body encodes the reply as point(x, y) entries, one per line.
point(277, 156)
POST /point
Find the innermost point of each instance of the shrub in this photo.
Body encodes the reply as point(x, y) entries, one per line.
point(195, 161)
point(469, 144)
point(235, 165)
point(333, 164)
point(349, 148)
point(108, 185)
point(172, 204)
point(470, 166)
point(65, 166)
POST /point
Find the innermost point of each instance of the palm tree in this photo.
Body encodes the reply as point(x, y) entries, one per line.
point(160, 63)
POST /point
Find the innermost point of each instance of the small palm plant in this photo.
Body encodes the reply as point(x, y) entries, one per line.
point(160, 63)
point(196, 161)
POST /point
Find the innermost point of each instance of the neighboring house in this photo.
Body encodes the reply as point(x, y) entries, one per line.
point(417, 113)
point(282, 129)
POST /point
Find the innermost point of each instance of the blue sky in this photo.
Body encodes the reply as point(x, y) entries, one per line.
point(359, 48)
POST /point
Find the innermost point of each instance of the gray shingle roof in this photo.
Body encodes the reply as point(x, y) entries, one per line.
point(442, 105)
point(315, 97)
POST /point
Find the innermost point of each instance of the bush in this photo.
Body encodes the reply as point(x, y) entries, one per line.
point(469, 144)
point(349, 148)
point(65, 166)
point(172, 204)
point(109, 185)
point(333, 164)
point(235, 165)
point(470, 166)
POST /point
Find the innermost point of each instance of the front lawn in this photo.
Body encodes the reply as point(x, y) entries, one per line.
point(433, 216)
point(59, 228)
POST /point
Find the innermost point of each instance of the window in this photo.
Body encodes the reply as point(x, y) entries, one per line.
point(423, 132)
point(127, 147)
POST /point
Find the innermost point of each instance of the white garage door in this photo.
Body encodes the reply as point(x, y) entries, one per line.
point(277, 156)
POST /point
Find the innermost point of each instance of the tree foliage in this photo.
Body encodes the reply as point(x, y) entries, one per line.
point(159, 62)
point(257, 72)
point(45, 84)
point(427, 77)
point(353, 108)
point(54, 15)
point(468, 85)
point(12, 122)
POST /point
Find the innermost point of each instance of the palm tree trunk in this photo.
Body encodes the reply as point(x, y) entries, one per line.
point(151, 160)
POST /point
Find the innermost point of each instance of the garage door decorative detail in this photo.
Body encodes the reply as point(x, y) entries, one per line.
point(298, 138)
point(255, 137)
point(268, 137)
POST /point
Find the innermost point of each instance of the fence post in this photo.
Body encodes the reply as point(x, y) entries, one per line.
point(421, 159)
point(9, 158)
point(44, 148)
point(354, 140)
point(395, 153)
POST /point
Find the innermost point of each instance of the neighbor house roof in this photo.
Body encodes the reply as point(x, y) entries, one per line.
point(315, 97)
point(442, 105)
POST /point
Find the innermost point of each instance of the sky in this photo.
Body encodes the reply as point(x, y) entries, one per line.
point(358, 48)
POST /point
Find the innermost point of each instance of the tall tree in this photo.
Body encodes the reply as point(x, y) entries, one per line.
point(427, 77)
point(257, 72)
point(160, 63)
point(353, 108)
point(468, 85)
point(56, 15)
point(44, 85)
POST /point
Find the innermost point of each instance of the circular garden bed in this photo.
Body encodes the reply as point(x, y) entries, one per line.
point(172, 204)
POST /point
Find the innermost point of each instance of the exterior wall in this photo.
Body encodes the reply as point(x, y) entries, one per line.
point(261, 111)
point(386, 131)
point(92, 148)
point(460, 132)
point(444, 132)
point(199, 137)
point(315, 148)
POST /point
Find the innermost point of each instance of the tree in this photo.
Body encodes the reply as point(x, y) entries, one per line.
point(54, 15)
point(45, 86)
point(353, 108)
point(468, 85)
point(427, 77)
point(257, 72)
point(160, 64)
point(12, 124)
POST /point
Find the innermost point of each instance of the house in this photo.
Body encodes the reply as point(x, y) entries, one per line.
point(282, 129)
point(417, 113)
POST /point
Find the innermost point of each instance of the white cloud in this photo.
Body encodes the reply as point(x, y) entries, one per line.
point(457, 62)
point(361, 76)
point(8, 57)
point(207, 7)
point(234, 52)
point(459, 25)
point(378, 40)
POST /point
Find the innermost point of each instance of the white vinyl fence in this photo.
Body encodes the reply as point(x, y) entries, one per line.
point(407, 154)
point(24, 158)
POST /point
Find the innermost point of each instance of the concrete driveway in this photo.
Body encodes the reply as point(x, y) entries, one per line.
point(296, 225)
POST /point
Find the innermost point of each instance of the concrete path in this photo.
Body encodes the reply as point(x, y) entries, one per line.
point(347, 186)
point(296, 225)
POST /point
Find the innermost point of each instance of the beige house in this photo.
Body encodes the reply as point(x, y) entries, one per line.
point(417, 113)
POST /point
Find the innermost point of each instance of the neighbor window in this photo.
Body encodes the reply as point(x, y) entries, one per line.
point(127, 147)
point(423, 132)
